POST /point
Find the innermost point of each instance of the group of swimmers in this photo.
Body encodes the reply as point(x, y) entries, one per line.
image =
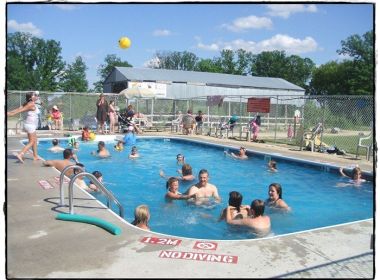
point(250, 216)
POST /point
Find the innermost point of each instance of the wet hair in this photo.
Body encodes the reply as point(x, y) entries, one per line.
point(170, 181)
point(235, 200)
point(28, 97)
point(55, 142)
point(278, 189)
point(77, 170)
point(134, 149)
point(141, 215)
point(203, 171)
point(187, 169)
point(97, 174)
point(273, 164)
point(257, 207)
point(356, 171)
point(101, 143)
point(67, 153)
point(181, 155)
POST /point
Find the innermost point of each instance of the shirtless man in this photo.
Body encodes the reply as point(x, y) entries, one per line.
point(60, 164)
point(56, 148)
point(203, 190)
point(102, 150)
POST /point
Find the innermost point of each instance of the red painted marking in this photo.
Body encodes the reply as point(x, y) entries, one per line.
point(194, 256)
point(45, 185)
point(205, 245)
point(161, 241)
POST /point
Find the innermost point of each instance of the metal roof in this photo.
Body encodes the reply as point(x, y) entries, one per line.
point(201, 78)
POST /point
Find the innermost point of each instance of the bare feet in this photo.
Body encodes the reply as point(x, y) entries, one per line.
point(36, 158)
point(19, 156)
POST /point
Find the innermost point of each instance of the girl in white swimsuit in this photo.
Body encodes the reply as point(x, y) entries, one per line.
point(30, 124)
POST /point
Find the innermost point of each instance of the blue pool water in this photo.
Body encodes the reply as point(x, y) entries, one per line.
point(311, 192)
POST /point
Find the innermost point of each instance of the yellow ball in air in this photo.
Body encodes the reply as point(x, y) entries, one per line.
point(124, 43)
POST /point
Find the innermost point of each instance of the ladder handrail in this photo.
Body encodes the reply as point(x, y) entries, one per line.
point(96, 182)
point(61, 177)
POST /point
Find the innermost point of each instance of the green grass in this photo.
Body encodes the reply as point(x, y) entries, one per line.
point(347, 143)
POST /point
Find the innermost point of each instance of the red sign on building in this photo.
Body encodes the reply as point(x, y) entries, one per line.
point(258, 105)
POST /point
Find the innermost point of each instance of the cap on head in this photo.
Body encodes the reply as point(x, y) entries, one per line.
point(55, 107)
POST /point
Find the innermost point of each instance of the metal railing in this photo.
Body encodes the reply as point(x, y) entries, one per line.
point(110, 197)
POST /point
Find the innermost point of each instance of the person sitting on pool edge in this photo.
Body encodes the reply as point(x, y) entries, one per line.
point(356, 175)
point(275, 197)
point(259, 223)
point(172, 186)
point(102, 150)
point(240, 155)
point(238, 211)
point(60, 164)
point(56, 148)
point(203, 190)
point(142, 217)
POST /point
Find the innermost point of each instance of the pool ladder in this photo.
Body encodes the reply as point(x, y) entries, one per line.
point(110, 197)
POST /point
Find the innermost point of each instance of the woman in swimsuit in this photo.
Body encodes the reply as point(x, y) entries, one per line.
point(275, 197)
point(30, 124)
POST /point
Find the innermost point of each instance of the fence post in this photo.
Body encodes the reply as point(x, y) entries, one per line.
point(275, 125)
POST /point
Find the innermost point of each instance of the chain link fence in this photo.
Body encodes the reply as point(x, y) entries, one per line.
point(343, 119)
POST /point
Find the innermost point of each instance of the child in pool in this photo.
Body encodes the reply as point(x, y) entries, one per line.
point(172, 186)
point(134, 153)
point(119, 146)
point(272, 165)
point(356, 175)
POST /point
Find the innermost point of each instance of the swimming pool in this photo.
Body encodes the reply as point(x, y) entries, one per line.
point(310, 190)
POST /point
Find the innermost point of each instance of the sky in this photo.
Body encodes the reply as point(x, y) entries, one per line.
point(312, 30)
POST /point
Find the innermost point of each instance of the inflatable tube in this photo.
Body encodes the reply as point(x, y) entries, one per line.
point(90, 220)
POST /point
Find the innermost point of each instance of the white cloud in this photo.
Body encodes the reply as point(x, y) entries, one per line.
point(162, 33)
point(250, 22)
point(152, 63)
point(66, 7)
point(278, 42)
point(285, 10)
point(24, 27)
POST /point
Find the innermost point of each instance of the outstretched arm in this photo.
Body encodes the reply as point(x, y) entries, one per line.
point(27, 107)
point(342, 172)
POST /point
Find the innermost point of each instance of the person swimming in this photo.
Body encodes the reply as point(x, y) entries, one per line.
point(186, 173)
point(356, 177)
point(119, 146)
point(272, 165)
point(180, 159)
point(241, 155)
point(134, 153)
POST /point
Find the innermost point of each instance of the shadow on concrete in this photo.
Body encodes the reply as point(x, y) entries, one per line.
point(55, 201)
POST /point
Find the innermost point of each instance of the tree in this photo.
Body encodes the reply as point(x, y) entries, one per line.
point(33, 63)
point(354, 76)
point(208, 65)
point(186, 61)
point(105, 69)
point(74, 78)
point(276, 64)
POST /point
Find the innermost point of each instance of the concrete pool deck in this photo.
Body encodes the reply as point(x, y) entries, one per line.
point(39, 246)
